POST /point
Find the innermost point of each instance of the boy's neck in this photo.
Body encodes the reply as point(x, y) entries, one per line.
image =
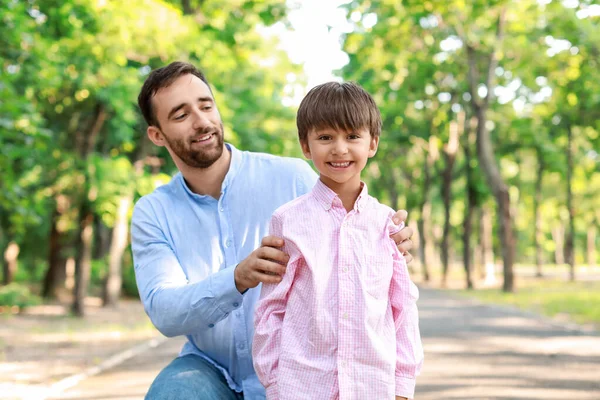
point(347, 192)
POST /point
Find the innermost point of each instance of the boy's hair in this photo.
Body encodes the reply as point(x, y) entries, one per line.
point(341, 106)
point(161, 78)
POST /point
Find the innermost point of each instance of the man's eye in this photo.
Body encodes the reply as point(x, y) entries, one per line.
point(207, 108)
point(180, 116)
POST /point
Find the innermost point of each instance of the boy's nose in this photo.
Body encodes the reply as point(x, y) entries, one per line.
point(340, 148)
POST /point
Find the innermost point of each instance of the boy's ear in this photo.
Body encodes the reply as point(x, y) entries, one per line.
point(373, 146)
point(155, 135)
point(305, 149)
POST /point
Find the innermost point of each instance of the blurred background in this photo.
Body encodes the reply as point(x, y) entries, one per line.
point(490, 138)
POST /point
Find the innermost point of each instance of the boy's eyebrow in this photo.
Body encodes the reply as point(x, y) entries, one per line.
point(180, 106)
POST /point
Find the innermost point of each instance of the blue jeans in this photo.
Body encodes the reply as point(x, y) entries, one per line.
point(191, 377)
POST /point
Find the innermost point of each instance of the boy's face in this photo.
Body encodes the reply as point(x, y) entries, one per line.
point(340, 156)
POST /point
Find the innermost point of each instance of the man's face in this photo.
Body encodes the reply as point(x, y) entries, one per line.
point(190, 124)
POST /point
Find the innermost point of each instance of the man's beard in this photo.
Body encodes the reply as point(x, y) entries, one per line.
point(198, 158)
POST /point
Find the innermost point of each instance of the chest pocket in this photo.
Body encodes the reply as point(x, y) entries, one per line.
point(376, 274)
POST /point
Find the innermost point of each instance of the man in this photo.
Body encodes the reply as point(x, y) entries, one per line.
point(196, 241)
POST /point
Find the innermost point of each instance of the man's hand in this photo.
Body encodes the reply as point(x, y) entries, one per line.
point(265, 264)
point(402, 238)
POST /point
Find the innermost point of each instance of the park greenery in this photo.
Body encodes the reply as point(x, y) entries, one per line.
point(491, 128)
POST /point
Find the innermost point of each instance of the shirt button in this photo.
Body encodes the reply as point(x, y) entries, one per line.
point(236, 304)
point(211, 325)
point(221, 209)
point(345, 269)
point(345, 316)
point(228, 243)
point(241, 346)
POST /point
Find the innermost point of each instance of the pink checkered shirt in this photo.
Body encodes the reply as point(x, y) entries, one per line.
point(343, 322)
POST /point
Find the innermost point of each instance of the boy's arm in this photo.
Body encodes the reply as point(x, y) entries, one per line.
point(268, 321)
point(409, 350)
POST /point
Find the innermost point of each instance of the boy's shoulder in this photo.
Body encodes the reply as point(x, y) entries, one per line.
point(380, 209)
point(291, 207)
point(383, 214)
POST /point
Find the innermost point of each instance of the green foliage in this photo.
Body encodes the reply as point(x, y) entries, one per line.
point(18, 295)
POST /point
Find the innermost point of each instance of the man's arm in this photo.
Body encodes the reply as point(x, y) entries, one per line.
point(175, 306)
point(402, 238)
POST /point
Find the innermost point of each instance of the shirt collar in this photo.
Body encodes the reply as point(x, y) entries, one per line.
point(234, 165)
point(326, 197)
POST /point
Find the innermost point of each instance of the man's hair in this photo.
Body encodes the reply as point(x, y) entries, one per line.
point(341, 106)
point(159, 79)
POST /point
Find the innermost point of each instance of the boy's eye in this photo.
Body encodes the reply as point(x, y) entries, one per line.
point(353, 136)
point(324, 137)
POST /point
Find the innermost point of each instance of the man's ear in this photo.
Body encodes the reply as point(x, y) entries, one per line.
point(373, 146)
point(305, 148)
point(155, 135)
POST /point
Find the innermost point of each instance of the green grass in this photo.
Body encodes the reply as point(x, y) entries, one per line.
point(580, 301)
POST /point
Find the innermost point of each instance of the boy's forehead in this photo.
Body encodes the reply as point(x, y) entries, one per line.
point(334, 129)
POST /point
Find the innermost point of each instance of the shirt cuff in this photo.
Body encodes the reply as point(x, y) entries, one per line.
point(224, 291)
point(405, 387)
point(273, 392)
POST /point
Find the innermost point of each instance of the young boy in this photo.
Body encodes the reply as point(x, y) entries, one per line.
point(343, 322)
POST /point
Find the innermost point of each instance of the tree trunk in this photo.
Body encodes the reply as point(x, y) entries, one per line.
point(186, 7)
point(56, 273)
point(425, 218)
point(112, 286)
point(537, 201)
point(487, 246)
point(83, 262)
point(450, 150)
point(9, 265)
point(558, 235)
point(423, 253)
point(469, 209)
point(485, 151)
point(570, 248)
point(416, 243)
point(86, 216)
point(591, 246)
point(103, 238)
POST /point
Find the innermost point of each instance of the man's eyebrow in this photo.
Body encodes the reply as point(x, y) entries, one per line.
point(180, 106)
point(175, 109)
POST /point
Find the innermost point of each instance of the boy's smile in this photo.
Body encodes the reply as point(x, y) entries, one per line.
point(340, 156)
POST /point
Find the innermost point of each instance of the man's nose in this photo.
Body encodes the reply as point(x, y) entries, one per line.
point(201, 120)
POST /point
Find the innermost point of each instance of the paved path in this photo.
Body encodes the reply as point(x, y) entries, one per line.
point(472, 352)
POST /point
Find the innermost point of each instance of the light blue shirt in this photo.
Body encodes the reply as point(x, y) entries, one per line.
point(186, 247)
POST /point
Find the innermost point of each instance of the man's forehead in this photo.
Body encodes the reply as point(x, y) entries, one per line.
point(184, 88)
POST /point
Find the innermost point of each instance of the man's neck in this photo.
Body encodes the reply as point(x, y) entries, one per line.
point(208, 181)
